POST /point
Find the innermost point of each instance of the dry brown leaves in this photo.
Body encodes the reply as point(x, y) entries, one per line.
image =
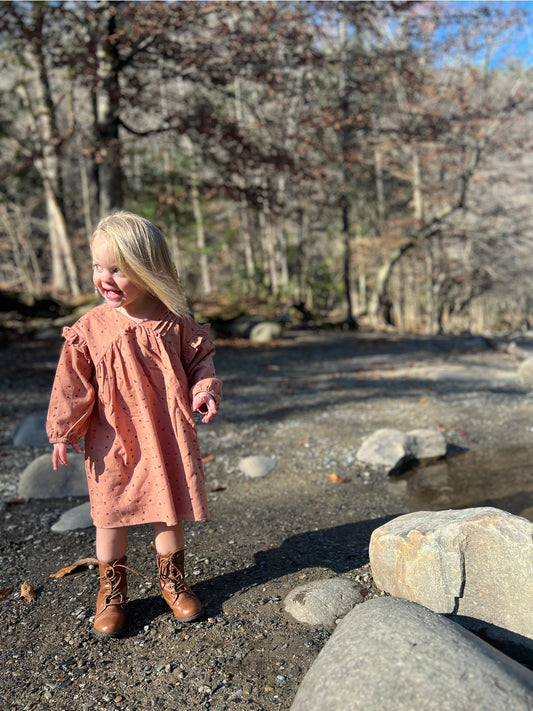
point(82, 563)
point(27, 592)
point(338, 479)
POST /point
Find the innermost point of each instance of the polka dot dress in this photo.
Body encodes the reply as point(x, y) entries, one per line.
point(124, 386)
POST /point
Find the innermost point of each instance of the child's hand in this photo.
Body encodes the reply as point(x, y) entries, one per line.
point(59, 455)
point(204, 403)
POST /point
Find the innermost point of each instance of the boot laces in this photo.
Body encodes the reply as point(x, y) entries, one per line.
point(173, 578)
point(112, 579)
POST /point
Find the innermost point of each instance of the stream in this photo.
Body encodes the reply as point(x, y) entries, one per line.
point(500, 477)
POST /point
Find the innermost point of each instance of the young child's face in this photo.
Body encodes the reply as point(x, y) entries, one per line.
point(117, 290)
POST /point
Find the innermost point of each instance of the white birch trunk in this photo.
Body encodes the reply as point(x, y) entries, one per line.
point(199, 222)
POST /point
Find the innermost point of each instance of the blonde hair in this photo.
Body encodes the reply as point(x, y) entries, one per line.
point(142, 254)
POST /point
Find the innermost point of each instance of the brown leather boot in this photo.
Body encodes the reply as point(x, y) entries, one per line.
point(109, 619)
point(182, 601)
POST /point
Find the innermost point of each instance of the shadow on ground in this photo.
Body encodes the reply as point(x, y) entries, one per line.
point(341, 549)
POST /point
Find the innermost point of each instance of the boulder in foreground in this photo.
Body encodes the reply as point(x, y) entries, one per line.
point(477, 563)
point(394, 654)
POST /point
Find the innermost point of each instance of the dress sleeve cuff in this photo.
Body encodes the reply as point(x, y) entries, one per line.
point(213, 386)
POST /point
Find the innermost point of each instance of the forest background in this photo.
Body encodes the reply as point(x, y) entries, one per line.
point(368, 163)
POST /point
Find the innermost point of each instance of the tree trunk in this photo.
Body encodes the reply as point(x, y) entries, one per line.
point(198, 219)
point(377, 301)
point(175, 249)
point(28, 271)
point(301, 268)
point(362, 301)
point(200, 236)
point(417, 187)
point(347, 262)
point(86, 195)
point(64, 275)
point(246, 236)
point(107, 141)
point(380, 192)
point(282, 259)
point(281, 243)
point(346, 139)
point(267, 243)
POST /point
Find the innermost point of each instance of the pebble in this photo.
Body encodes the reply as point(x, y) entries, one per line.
point(257, 467)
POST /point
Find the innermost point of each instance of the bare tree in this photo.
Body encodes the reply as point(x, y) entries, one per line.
point(41, 141)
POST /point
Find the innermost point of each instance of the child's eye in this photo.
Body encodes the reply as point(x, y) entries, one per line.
point(97, 268)
point(116, 270)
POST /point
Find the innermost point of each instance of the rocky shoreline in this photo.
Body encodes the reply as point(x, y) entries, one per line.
point(308, 401)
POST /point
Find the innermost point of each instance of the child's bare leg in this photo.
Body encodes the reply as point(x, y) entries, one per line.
point(111, 543)
point(168, 539)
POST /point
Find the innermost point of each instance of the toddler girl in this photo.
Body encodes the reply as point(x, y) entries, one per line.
point(130, 374)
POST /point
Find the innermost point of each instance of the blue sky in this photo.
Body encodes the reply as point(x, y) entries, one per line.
point(518, 43)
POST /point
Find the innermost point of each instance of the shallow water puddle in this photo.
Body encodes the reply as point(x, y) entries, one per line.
point(501, 477)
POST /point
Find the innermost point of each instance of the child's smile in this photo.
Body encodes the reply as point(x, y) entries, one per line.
point(116, 288)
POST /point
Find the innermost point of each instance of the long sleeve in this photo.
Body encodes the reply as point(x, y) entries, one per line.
point(199, 366)
point(73, 393)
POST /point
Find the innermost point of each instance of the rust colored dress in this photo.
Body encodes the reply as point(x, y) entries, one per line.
point(125, 387)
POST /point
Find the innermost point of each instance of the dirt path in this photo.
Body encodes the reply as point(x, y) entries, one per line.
point(308, 401)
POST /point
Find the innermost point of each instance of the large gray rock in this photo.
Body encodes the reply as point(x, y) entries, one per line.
point(477, 563)
point(323, 602)
point(31, 431)
point(40, 481)
point(393, 654)
point(71, 520)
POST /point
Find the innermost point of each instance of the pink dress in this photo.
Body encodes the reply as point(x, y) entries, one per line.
point(124, 386)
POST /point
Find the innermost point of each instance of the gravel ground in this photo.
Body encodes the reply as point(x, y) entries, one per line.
point(309, 401)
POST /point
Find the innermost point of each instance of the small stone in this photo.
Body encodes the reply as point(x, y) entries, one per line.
point(322, 602)
point(265, 331)
point(256, 467)
point(426, 445)
point(386, 448)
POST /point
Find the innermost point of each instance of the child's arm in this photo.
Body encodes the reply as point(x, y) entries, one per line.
point(205, 389)
point(72, 397)
point(59, 455)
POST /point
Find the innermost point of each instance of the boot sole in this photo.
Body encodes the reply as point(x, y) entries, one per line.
point(190, 619)
point(107, 635)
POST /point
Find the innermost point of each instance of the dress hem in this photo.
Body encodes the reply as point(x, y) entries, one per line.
point(119, 524)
